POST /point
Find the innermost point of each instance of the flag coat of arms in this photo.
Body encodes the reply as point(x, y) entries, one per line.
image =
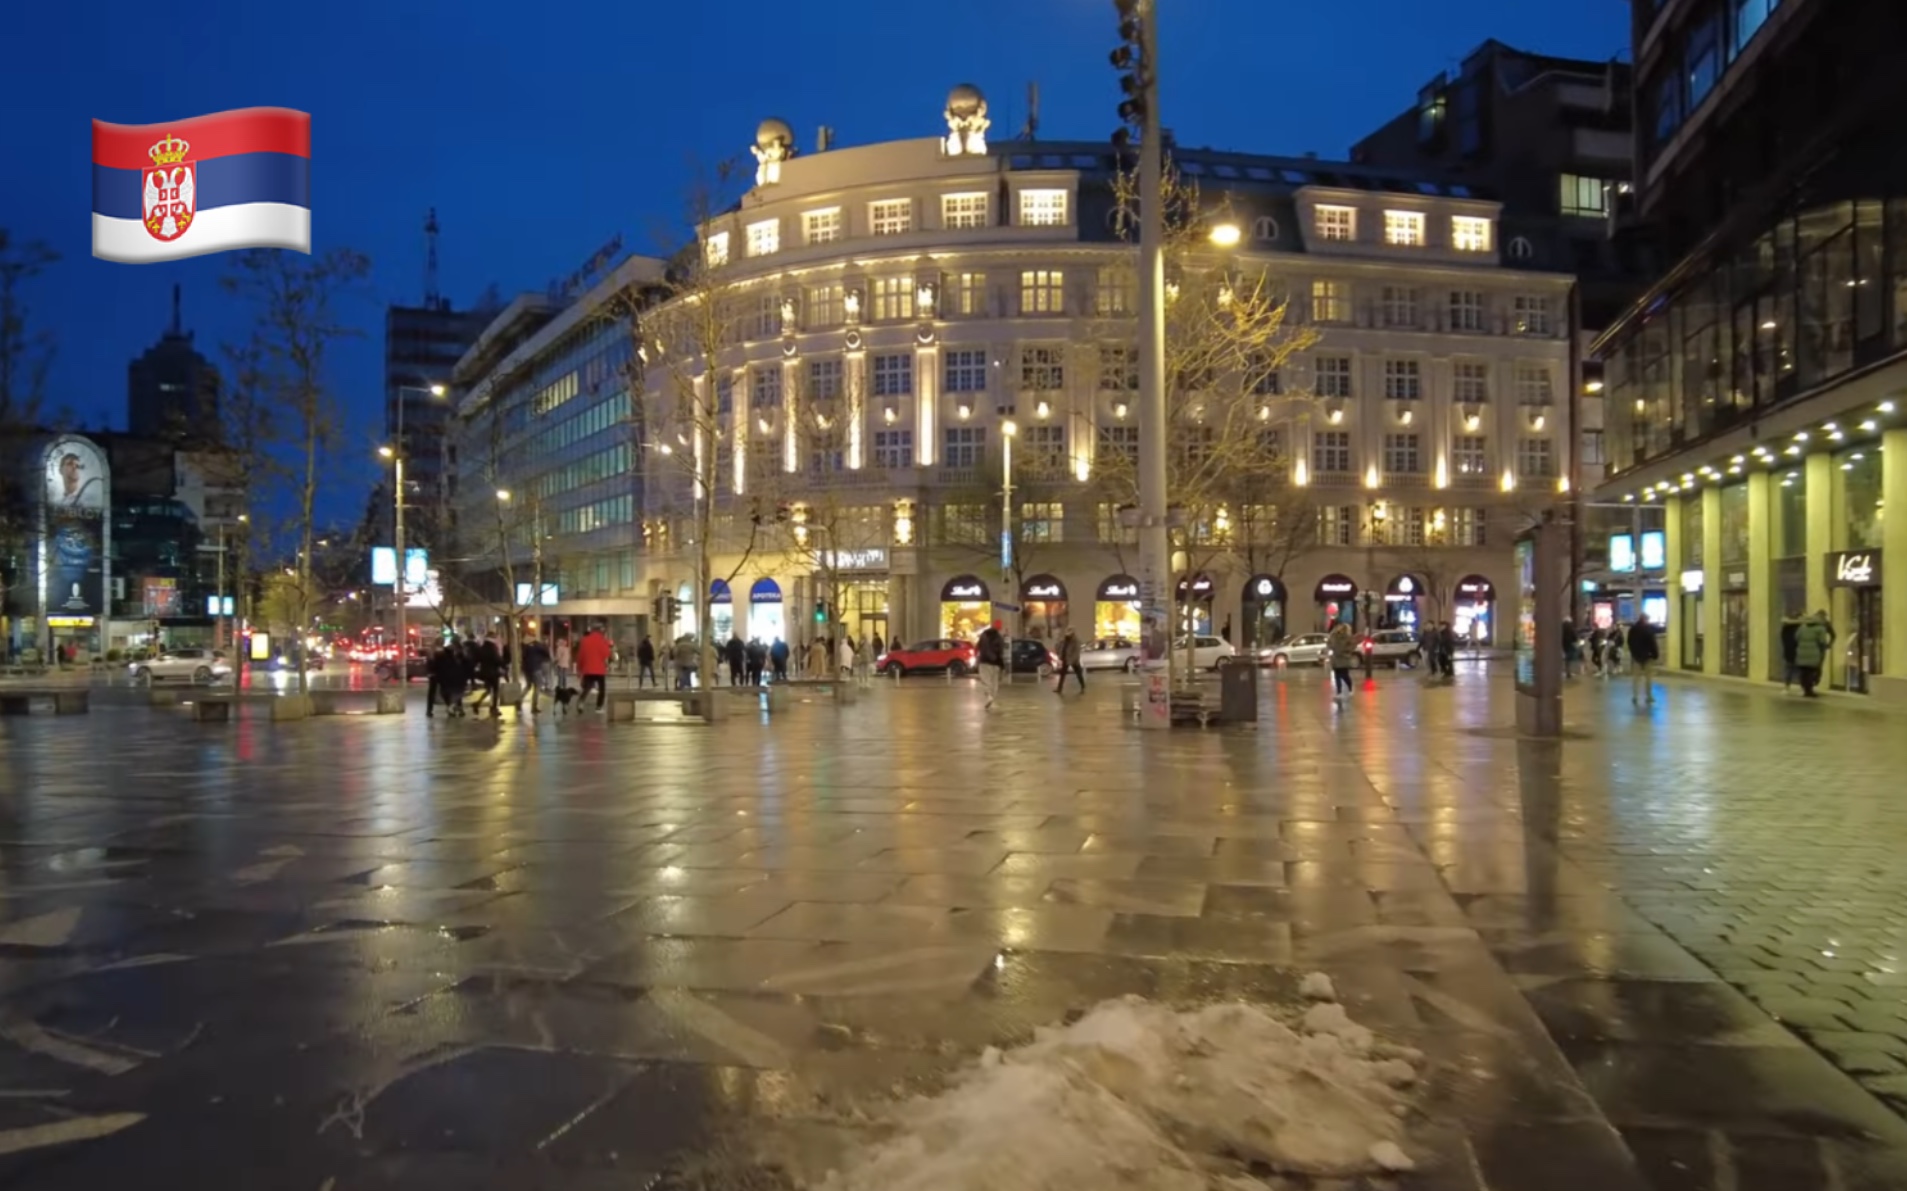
point(238, 179)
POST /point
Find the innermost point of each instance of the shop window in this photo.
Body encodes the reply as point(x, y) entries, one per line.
point(1734, 509)
point(1692, 532)
point(1857, 504)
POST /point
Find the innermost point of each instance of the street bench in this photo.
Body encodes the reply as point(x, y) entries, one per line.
point(621, 705)
point(76, 700)
point(380, 702)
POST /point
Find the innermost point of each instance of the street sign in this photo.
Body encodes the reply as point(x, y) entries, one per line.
point(1002, 606)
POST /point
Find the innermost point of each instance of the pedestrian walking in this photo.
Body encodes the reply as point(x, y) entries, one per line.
point(990, 653)
point(817, 664)
point(1643, 653)
point(1790, 643)
point(844, 656)
point(778, 657)
point(1812, 640)
point(1447, 646)
point(735, 657)
point(685, 656)
point(1430, 645)
point(1572, 649)
point(452, 674)
point(1594, 651)
point(1612, 652)
point(864, 662)
point(562, 661)
point(537, 670)
point(1342, 649)
point(490, 674)
point(1069, 663)
point(757, 660)
point(592, 661)
point(434, 671)
point(646, 663)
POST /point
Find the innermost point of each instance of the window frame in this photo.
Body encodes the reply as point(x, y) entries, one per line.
point(1405, 229)
point(1335, 223)
point(1051, 204)
point(832, 230)
point(1471, 233)
point(763, 238)
point(977, 212)
point(890, 216)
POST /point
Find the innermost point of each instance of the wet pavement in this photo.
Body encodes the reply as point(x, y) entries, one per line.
point(396, 952)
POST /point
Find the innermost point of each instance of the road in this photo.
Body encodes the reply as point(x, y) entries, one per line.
point(398, 952)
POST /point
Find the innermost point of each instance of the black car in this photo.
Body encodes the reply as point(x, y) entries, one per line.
point(417, 668)
point(1032, 657)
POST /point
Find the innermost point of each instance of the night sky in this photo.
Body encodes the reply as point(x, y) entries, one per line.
point(538, 132)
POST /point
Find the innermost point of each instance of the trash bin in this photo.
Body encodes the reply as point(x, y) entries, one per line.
point(1238, 693)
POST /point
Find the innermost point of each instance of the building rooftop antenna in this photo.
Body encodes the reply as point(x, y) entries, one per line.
point(431, 298)
point(1030, 130)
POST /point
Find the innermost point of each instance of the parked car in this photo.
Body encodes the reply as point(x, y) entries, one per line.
point(1208, 653)
point(418, 667)
point(1114, 654)
point(928, 657)
point(1392, 647)
point(1306, 649)
point(1032, 657)
point(182, 665)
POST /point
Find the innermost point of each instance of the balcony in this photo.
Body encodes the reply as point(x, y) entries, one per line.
point(957, 476)
point(1405, 479)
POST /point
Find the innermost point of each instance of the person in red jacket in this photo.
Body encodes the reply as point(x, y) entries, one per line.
point(592, 662)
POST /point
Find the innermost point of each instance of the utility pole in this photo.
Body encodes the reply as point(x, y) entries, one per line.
point(1008, 431)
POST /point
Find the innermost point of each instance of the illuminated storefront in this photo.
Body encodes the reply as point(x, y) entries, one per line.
point(1403, 603)
point(1336, 598)
point(721, 611)
point(1195, 604)
point(767, 614)
point(1044, 599)
point(1264, 609)
point(1474, 618)
point(1116, 610)
point(966, 607)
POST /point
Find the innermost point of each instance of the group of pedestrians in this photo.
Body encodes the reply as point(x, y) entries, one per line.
point(455, 667)
point(1608, 651)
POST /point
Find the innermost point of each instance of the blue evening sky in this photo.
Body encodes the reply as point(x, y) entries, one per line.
point(538, 132)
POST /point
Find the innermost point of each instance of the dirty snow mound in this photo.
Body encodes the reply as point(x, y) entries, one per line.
point(1137, 1097)
point(1317, 987)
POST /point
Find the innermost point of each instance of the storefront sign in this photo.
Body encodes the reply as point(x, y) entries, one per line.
point(1735, 581)
point(1044, 587)
point(1476, 589)
point(963, 589)
point(1264, 588)
point(719, 593)
point(1119, 587)
point(873, 558)
point(1692, 581)
point(1854, 568)
point(765, 591)
point(1403, 588)
point(1336, 587)
point(69, 622)
point(1200, 585)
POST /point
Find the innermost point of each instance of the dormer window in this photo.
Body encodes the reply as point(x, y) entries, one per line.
point(764, 238)
point(715, 250)
point(1469, 234)
point(891, 217)
point(1404, 229)
point(1042, 208)
point(1337, 223)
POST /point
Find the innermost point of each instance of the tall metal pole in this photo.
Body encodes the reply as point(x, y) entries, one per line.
point(1155, 545)
point(218, 635)
point(1007, 432)
point(403, 641)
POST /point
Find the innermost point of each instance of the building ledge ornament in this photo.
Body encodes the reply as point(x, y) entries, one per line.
point(967, 122)
point(774, 144)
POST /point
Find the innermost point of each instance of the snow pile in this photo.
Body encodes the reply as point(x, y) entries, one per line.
point(1137, 1097)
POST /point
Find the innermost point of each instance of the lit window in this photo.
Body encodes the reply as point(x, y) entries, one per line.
point(1404, 228)
point(824, 305)
point(891, 217)
point(1535, 459)
point(1042, 521)
point(1330, 301)
point(1584, 196)
point(1467, 526)
point(1117, 292)
point(1042, 291)
point(821, 227)
point(1403, 380)
point(1337, 223)
point(764, 237)
point(1531, 315)
point(1470, 455)
point(966, 294)
point(1469, 234)
point(1042, 369)
point(716, 249)
point(1042, 208)
point(964, 210)
point(1337, 524)
point(893, 298)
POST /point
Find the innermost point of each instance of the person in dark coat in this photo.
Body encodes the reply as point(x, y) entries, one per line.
point(757, 655)
point(735, 655)
point(451, 677)
point(778, 656)
point(646, 663)
point(1790, 630)
point(489, 673)
point(1644, 652)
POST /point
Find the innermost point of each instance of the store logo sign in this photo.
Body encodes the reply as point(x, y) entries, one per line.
point(965, 591)
point(1042, 591)
point(1119, 591)
point(1855, 569)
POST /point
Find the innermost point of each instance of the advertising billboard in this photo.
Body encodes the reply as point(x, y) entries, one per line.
point(75, 487)
point(384, 567)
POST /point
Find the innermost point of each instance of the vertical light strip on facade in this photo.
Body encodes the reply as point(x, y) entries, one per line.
point(791, 415)
point(857, 405)
point(927, 391)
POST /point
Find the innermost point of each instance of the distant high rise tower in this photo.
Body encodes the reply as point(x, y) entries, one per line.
point(172, 391)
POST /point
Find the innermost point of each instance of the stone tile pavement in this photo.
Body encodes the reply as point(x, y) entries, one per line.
point(383, 953)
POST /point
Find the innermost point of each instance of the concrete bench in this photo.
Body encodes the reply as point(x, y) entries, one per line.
point(59, 700)
point(377, 702)
point(213, 709)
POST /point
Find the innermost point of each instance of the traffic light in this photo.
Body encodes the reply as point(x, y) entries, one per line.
point(1135, 78)
point(820, 612)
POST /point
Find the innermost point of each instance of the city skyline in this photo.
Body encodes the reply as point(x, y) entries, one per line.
point(385, 152)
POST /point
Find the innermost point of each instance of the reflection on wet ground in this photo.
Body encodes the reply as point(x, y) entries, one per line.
point(392, 952)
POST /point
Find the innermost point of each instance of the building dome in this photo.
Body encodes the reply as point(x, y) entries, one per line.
point(774, 132)
point(966, 100)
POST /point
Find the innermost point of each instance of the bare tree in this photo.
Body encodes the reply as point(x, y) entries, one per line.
point(1229, 350)
point(26, 353)
point(295, 300)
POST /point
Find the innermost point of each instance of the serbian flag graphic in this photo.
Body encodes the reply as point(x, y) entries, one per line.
point(239, 179)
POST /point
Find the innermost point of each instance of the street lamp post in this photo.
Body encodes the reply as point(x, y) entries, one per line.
point(1154, 539)
point(396, 453)
point(1009, 430)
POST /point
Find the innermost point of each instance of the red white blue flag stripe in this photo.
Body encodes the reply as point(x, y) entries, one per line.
point(238, 179)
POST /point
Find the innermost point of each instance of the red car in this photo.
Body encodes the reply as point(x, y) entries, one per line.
point(955, 657)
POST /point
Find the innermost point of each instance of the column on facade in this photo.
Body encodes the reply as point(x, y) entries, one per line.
point(1713, 580)
point(856, 381)
point(1761, 574)
point(1672, 554)
point(700, 445)
point(791, 413)
point(740, 404)
point(1819, 473)
point(927, 402)
point(1891, 683)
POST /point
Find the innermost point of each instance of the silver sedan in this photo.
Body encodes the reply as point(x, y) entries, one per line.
point(1307, 649)
point(1110, 655)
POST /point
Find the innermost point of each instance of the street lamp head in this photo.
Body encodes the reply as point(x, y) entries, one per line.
point(438, 390)
point(1226, 235)
point(1009, 428)
point(386, 453)
point(245, 517)
point(503, 494)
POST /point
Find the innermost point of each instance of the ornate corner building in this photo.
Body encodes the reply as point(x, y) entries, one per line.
point(889, 312)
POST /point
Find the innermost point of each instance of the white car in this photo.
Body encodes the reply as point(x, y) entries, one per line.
point(182, 665)
point(1208, 653)
point(1110, 655)
point(1307, 649)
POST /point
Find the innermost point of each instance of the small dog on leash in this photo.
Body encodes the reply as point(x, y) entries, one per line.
point(565, 695)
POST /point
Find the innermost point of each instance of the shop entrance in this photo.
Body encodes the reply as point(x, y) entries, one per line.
point(1862, 649)
point(1195, 604)
point(1043, 599)
point(1473, 618)
point(1264, 608)
point(966, 608)
point(1691, 613)
point(1337, 602)
point(1735, 633)
point(1854, 578)
point(1116, 610)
